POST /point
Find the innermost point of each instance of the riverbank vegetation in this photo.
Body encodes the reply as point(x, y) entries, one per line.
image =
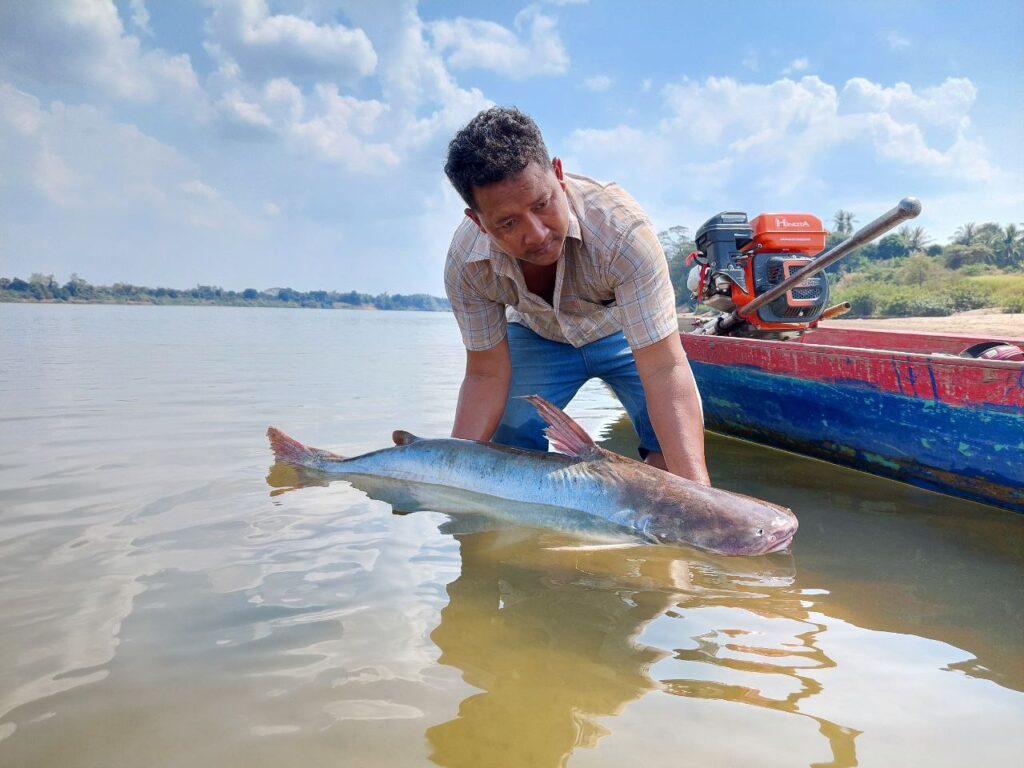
point(905, 274)
point(78, 291)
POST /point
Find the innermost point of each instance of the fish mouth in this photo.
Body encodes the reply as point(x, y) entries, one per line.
point(781, 545)
point(778, 540)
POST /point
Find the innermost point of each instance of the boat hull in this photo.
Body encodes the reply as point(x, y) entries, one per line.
point(941, 422)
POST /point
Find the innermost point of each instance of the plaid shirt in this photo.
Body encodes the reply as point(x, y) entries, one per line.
point(612, 275)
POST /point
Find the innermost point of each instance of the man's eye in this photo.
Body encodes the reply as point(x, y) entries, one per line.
point(506, 226)
point(542, 204)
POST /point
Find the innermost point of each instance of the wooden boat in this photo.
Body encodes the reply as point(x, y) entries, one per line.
point(904, 405)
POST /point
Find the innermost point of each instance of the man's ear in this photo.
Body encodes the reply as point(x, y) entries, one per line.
point(476, 219)
point(556, 166)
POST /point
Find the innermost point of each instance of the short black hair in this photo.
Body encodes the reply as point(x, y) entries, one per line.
point(497, 143)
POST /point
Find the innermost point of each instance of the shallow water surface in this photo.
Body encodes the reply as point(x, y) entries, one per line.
point(168, 597)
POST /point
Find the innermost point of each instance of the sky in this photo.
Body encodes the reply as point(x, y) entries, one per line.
point(300, 143)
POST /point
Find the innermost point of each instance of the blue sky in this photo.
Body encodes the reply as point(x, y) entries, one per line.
point(264, 143)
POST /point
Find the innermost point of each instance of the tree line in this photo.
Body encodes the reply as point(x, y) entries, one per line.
point(40, 287)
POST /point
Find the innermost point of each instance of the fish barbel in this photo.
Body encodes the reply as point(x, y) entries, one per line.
point(585, 488)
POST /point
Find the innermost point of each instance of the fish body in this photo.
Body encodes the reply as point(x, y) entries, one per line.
point(585, 489)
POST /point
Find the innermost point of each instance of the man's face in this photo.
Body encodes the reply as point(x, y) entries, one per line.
point(527, 214)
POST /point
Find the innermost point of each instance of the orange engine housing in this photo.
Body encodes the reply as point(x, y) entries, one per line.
point(799, 235)
point(787, 233)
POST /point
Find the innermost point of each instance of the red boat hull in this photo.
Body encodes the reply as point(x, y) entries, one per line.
point(898, 404)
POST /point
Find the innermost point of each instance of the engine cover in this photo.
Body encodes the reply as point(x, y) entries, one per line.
point(803, 302)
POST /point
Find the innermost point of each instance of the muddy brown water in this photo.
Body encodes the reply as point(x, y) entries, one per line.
point(168, 597)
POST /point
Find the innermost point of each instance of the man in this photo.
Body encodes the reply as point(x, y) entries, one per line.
point(556, 279)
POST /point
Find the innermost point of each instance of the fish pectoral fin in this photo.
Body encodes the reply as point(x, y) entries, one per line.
point(564, 433)
point(401, 437)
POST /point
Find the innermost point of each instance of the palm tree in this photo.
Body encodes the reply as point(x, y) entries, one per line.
point(990, 234)
point(1010, 247)
point(913, 238)
point(966, 234)
point(842, 223)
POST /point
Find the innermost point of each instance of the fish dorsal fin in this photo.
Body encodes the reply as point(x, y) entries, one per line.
point(401, 437)
point(564, 433)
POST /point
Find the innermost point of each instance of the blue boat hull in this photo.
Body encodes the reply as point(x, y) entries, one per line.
point(972, 453)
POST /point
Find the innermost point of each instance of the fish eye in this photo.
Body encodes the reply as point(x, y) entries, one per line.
point(760, 532)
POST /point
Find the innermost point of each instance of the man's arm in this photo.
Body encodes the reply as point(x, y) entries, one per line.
point(674, 406)
point(483, 393)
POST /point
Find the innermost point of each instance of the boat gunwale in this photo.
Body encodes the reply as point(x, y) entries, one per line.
point(868, 353)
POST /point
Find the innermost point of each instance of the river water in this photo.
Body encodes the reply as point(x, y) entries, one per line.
point(167, 597)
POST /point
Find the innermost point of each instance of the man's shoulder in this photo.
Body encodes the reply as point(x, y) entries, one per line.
point(468, 244)
point(605, 210)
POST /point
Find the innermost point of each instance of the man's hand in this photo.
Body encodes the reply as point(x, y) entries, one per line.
point(483, 393)
point(674, 407)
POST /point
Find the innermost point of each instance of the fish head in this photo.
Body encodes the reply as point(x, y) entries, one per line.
point(722, 522)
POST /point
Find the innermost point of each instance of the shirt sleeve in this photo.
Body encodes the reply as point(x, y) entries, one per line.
point(481, 320)
point(643, 290)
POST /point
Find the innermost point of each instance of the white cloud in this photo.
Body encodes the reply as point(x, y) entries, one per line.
point(476, 43)
point(425, 103)
point(200, 190)
point(266, 45)
point(789, 139)
point(597, 83)
point(621, 143)
point(420, 103)
point(801, 120)
point(54, 178)
point(646, 84)
point(896, 41)
point(341, 129)
point(796, 65)
point(83, 42)
point(243, 113)
point(947, 104)
point(140, 17)
point(91, 173)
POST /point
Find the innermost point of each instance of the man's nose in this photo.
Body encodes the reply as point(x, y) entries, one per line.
point(535, 232)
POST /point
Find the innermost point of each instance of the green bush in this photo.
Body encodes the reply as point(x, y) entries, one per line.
point(973, 270)
point(1014, 304)
point(968, 295)
point(929, 305)
point(861, 297)
point(896, 304)
point(887, 298)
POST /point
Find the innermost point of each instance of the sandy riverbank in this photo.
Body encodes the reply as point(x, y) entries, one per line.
point(978, 322)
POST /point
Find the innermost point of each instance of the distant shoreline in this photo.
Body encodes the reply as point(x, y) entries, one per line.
point(44, 289)
point(207, 303)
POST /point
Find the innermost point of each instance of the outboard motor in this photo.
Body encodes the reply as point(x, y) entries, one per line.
point(761, 273)
point(738, 260)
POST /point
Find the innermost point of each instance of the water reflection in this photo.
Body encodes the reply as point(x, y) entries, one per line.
point(890, 557)
point(554, 636)
point(550, 630)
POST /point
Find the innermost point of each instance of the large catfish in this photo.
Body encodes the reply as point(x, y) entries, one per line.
point(585, 488)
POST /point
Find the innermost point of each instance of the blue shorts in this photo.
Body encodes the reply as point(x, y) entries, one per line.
point(556, 371)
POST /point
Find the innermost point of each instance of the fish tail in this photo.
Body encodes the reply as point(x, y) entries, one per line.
point(291, 451)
